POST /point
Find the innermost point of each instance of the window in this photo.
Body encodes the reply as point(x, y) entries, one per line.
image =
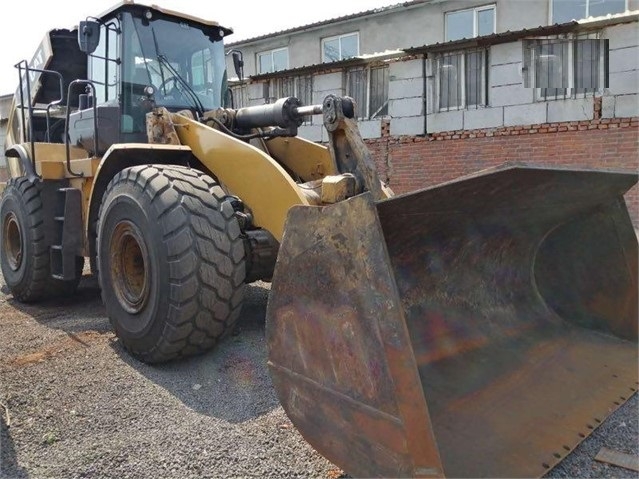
point(462, 80)
point(566, 10)
point(470, 23)
point(201, 70)
point(273, 60)
point(239, 95)
point(103, 64)
point(340, 47)
point(368, 86)
point(560, 68)
point(301, 87)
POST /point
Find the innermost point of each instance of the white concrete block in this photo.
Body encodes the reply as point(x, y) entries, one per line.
point(624, 59)
point(410, 125)
point(576, 109)
point(370, 128)
point(255, 91)
point(310, 132)
point(506, 53)
point(483, 118)
point(624, 35)
point(510, 95)
point(412, 87)
point(608, 106)
point(627, 106)
point(327, 81)
point(507, 74)
point(403, 70)
point(525, 114)
point(445, 121)
point(405, 107)
point(624, 82)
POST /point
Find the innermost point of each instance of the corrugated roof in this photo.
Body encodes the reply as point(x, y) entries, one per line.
point(353, 61)
point(495, 38)
point(321, 23)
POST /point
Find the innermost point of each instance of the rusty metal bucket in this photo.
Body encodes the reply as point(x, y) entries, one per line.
point(479, 328)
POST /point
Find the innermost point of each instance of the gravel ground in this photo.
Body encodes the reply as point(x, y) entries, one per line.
point(79, 406)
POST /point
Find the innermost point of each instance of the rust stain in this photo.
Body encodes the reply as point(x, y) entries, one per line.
point(70, 342)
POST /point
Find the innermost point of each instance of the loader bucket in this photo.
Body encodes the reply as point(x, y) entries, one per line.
point(480, 328)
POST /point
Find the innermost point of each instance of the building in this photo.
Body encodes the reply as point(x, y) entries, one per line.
point(5, 108)
point(445, 88)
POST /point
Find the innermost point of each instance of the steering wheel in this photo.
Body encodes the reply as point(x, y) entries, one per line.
point(175, 91)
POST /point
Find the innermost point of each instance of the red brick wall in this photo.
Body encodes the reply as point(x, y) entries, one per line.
point(410, 163)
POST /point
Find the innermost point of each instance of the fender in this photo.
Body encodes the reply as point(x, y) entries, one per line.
point(119, 157)
point(19, 163)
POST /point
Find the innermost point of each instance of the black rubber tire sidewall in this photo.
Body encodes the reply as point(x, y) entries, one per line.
point(140, 331)
point(25, 283)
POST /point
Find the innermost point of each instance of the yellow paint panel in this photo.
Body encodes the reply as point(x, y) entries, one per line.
point(57, 170)
point(247, 172)
point(55, 152)
point(307, 159)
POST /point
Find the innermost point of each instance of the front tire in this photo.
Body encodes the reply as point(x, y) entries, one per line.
point(171, 261)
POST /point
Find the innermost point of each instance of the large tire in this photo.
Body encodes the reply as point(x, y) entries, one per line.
point(171, 261)
point(24, 249)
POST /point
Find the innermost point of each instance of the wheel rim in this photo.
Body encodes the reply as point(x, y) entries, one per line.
point(12, 241)
point(129, 267)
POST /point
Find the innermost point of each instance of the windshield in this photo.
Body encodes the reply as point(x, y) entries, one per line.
point(183, 64)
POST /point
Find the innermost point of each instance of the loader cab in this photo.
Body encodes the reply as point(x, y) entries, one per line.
point(146, 57)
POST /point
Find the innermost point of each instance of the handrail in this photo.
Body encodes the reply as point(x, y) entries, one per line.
point(88, 84)
point(30, 108)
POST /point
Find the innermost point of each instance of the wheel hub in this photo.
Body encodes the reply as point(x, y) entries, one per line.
point(12, 241)
point(130, 267)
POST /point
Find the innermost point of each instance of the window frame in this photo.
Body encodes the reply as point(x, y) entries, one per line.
point(475, 10)
point(552, 7)
point(368, 114)
point(258, 63)
point(571, 91)
point(485, 72)
point(338, 37)
point(273, 89)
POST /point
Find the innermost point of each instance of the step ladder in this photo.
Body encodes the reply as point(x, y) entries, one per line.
point(67, 234)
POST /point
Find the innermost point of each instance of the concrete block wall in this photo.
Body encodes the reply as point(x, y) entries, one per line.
point(406, 97)
point(621, 99)
point(511, 104)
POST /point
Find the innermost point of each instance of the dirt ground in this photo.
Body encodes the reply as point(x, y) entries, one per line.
point(74, 404)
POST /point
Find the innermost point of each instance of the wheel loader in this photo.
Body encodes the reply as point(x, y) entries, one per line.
point(478, 328)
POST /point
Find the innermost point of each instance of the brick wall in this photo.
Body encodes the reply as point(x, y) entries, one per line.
point(410, 163)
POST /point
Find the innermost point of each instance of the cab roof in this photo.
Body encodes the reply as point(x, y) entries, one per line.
point(130, 5)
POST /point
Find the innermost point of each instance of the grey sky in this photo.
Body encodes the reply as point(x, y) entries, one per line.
point(26, 21)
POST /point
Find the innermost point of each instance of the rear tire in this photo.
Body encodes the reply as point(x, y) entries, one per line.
point(24, 248)
point(171, 261)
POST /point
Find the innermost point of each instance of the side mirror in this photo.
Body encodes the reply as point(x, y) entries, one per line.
point(88, 36)
point(238, 63)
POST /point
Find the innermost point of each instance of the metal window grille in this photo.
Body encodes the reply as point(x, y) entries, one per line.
point(304, 92)
point(356, 88)
point(462, 80)
point(378, 91)
point(301, 87)
point(368, 86)
point(240, 95)
point(562, 68)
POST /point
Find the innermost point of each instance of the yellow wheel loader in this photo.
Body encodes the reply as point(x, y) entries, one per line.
point(479, 328)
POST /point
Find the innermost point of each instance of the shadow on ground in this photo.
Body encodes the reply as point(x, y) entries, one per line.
point(9, 467)
point(80, 312)
point(232, 381)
